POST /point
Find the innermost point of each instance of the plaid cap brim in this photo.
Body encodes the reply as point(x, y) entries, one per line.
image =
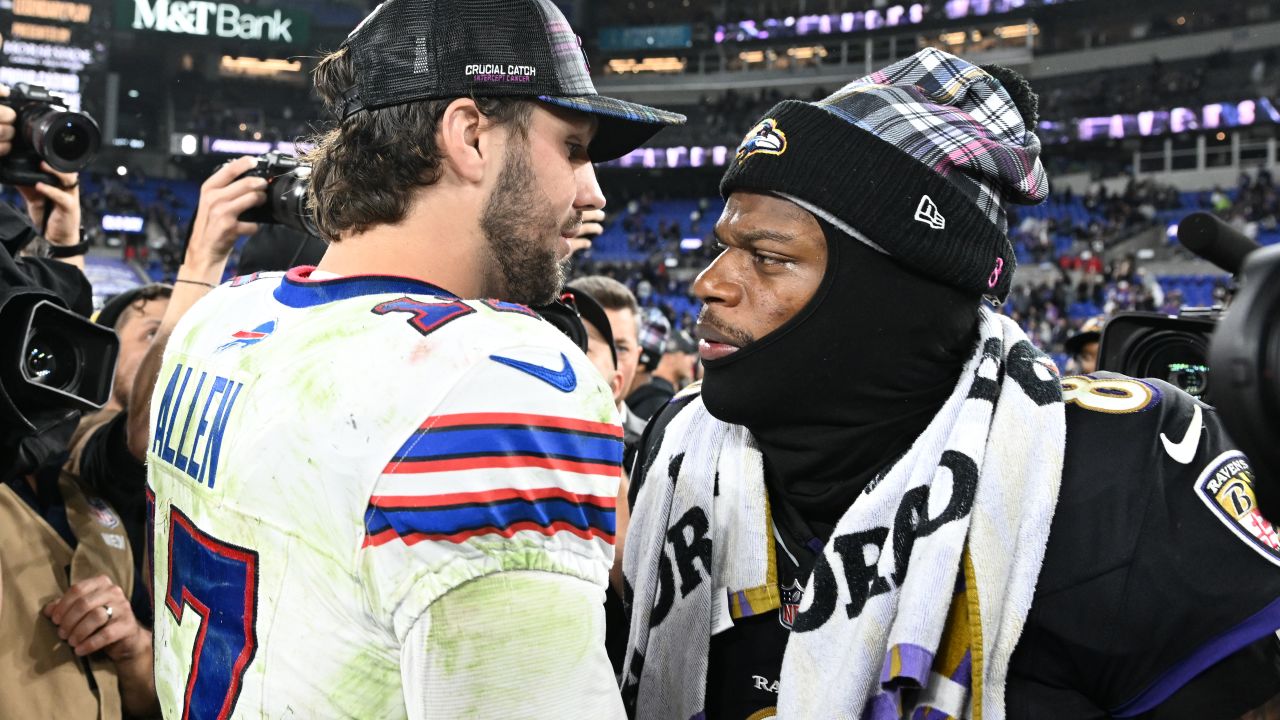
point(624, 126)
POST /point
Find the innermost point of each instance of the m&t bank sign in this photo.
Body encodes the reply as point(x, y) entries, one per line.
point(214, 19)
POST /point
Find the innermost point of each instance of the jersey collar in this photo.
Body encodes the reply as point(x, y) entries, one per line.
point(299, 290)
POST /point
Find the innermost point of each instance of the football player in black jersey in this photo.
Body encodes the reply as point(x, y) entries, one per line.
point(839, 318)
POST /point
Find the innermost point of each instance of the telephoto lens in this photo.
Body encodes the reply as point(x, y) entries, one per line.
point(287, 197)
point(66, 140)
point(287, 180)
point(47, 131)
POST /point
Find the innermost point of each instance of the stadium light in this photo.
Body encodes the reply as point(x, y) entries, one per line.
point(189, 145)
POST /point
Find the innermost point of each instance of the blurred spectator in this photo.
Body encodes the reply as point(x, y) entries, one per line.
point(674, 371)
point(654, 329)
point(600, 349)
point(624, 316)
point(1083, 347)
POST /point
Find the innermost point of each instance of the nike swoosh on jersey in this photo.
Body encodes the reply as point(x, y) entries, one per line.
point(563, 380)
point(1185, 451)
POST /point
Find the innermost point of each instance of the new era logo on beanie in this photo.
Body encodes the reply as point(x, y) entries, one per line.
point(927, 213)
point(917, 157)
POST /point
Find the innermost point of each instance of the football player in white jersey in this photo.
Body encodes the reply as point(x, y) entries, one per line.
point(384, 487)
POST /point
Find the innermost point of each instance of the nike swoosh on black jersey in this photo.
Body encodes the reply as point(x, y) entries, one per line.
point(1184, 451)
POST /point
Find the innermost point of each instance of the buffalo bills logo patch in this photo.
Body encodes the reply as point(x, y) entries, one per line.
point(765, 138)
point(790, 597)
point(246, 338)
point(1226, 488)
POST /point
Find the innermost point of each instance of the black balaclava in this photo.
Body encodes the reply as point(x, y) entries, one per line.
point(844, 387)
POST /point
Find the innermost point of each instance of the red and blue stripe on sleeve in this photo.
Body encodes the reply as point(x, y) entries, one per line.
point(501, 443)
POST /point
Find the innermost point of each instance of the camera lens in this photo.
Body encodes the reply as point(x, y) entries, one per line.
point(67, 140)
point(1178, 359)
point(288, 199)
point(70, 141)
point(51, 361)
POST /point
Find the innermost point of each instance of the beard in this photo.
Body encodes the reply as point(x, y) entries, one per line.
point(522, 267)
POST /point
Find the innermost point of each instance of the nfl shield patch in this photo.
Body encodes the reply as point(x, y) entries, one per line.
point(102, 512)
point(1226, 488)
point(791, 595)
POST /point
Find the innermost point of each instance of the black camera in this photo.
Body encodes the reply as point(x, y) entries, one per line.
point(286, 204)
point(48, 131)
point(1173, 349)
point(1239, 348)
point(1176, 349)
point(53, 360)
point(1246, 351)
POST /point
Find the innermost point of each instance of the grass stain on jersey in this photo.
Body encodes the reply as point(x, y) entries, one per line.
point(484, 662)
point(371, 676)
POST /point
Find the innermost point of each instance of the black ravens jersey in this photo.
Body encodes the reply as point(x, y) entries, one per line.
point(1159, 597)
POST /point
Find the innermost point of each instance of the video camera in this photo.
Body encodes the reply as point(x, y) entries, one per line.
point(1172, 348)
point(46, 131)
point(53, 362)
point(287, 179)
point(1229, 357)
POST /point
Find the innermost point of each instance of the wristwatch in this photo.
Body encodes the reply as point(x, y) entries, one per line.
point(66, 251)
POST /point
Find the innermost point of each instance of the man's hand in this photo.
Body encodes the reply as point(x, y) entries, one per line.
point(217, 224)
point(60, 205)
point(84, 621)
point(7, 117)
point(592, 226)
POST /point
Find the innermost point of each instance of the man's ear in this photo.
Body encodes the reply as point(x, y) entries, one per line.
point(458, 135)
point(615, 385)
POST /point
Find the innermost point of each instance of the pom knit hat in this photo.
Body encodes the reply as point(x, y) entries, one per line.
point(915, 160)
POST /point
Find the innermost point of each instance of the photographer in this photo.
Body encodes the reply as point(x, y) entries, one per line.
point(64, 559)
point(107, 448)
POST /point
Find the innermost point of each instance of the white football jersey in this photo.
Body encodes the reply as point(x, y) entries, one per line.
point(330, 457)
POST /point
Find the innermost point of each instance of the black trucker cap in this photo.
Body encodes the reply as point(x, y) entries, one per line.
point(410, 50)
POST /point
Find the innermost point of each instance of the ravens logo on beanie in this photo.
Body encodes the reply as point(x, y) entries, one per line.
point(915, 160)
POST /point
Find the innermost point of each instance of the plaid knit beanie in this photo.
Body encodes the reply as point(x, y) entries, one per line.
point(915, 160)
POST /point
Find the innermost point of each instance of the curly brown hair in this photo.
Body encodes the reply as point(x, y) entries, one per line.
point(365, 169)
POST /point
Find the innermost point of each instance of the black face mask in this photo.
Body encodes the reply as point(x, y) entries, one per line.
point(846, 386)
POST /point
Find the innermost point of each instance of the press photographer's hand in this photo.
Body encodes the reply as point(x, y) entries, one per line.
point(55, 210)
point(7, 118)
point(222, 199)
